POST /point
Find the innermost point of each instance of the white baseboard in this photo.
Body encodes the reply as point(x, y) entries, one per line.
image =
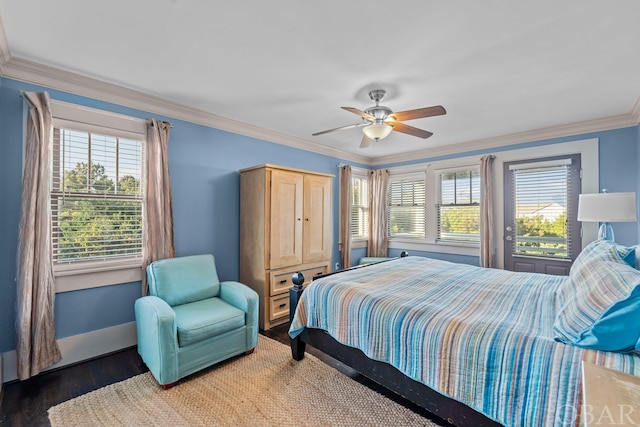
point(78, 348)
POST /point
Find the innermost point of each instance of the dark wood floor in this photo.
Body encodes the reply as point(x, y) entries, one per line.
point(25, 403)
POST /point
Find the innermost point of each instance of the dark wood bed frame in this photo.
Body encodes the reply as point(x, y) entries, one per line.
point(447, 408)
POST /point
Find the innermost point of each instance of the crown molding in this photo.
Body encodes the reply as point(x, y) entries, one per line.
point(54, 78)
point(635, 111)
point(579, 128)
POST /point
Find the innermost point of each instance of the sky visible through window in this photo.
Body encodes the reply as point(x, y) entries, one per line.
point(100, 150)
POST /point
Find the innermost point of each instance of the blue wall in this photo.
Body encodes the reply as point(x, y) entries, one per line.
point(204, 164)
point(461, 259)
point(10, 175)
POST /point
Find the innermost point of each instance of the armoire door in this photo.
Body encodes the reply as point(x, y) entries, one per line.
point(286, 218)
point(317, 218)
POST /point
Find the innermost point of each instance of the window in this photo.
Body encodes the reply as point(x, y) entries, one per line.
point(360, 207)
point(542, 194)
point(458, 207)
point(406, 208)
point(96, 198)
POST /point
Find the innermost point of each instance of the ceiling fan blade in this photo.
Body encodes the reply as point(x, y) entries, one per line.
point(359, 113)
point(410, 130)
point(366, 141)
point(340, 128)
point(436, 110)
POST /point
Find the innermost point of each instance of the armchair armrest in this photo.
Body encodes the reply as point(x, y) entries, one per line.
point(244, 298)
point(239, 295)
point(157, 337)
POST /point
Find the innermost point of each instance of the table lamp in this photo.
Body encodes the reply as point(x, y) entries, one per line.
point(606, 208)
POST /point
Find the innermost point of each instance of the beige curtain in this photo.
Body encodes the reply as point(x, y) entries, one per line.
point(158, 214)
point(36, 346)
point(346, 202)
point(378, 188)
point(487, 256)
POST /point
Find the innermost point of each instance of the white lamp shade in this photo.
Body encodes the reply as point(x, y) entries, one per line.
point(377, 131)
point(607, 207)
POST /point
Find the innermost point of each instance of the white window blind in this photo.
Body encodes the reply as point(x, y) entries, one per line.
point(96, 197)
point(541, 197)
point(458, 207)
point(360, 207)
point(406, 209)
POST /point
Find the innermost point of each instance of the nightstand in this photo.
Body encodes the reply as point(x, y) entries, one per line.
point(609, 397)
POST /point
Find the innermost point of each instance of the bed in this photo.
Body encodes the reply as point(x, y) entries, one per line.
point(478, 346)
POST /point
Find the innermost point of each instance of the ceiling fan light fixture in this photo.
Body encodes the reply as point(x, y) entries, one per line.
point(377, 131)
point(378, 121)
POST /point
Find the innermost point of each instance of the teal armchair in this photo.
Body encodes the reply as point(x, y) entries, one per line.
point(191, 320)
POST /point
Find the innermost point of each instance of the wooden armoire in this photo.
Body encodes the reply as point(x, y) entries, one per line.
point(285, 226)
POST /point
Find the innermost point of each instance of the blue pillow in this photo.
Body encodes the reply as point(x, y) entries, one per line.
point(600, 301)
point(626, 254)
point(617, 328)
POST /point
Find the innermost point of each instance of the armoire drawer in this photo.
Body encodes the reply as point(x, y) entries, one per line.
point(279, 306)
point(280, 281)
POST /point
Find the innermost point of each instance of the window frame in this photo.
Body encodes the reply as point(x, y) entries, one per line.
point(431, 173)
point(410, 176)
point(565, 168)
point(439, 204)
point(95, 273)
point(360, 241)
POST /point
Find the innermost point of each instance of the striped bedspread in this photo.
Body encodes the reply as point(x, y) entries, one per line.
point(481, 336)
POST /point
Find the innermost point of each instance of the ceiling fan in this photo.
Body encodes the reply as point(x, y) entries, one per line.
point(378, 121)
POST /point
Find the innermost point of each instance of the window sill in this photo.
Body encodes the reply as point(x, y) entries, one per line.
point(93, 274)
point(444, 248)
point(358, 243)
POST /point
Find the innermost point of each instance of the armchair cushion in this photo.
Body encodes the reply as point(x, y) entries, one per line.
point(183, 280)
point(199, 320)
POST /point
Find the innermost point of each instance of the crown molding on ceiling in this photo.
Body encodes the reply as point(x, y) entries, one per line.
point(635, 111)
point(579, 128)
point(54, 78)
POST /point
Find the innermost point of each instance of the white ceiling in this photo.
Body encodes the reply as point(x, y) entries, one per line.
point(499, 67)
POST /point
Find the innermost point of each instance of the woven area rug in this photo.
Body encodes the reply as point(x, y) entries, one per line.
point(266, 388)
